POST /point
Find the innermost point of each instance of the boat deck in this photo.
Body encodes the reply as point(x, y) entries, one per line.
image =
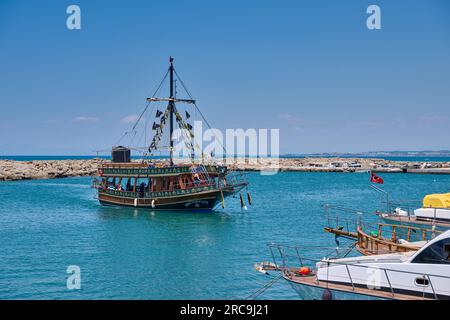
point(413, 220)
point(383, 294)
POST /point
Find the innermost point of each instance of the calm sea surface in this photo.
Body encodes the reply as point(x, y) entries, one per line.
point(47, 225)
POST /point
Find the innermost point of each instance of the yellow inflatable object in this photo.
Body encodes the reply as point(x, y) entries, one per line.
point(437, 201)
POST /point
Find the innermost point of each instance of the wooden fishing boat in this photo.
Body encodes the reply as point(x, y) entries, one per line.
point(166, 184)
point(400, 238)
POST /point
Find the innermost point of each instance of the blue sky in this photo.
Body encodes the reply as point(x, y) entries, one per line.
point(310, 68)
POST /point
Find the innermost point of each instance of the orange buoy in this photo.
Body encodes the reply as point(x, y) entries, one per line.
point(305, 270)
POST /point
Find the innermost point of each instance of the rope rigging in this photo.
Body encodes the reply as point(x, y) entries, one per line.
point(186, 128)
point(196, 107)
point(261, 290)
point(145, 109)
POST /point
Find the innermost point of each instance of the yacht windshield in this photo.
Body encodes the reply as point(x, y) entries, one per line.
point(437, 253)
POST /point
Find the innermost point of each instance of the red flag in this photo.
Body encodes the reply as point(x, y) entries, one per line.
point(375, 179)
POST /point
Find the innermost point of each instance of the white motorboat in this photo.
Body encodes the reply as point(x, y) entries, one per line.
point(424, 274)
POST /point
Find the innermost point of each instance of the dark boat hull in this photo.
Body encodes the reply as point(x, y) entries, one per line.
point(203, 201)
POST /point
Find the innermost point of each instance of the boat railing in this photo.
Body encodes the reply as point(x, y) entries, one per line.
point(291, 260)
point(408, 206)
point(236, 178)
point(348, 219)
point(393, 205)
point(155, 194)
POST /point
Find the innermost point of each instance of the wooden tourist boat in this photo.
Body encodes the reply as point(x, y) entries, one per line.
point(164, 184)
point(375, 243)
point(180, 187)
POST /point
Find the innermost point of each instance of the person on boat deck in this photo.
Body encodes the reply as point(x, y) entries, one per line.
point(128, 186)
point(196, 179)
point(141, 190)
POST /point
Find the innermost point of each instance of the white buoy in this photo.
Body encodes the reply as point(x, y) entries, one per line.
point(153, 203)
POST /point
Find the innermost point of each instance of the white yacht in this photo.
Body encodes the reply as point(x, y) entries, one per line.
point(423, 274)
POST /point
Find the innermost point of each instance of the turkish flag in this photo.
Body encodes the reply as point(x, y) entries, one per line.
point(375, 179)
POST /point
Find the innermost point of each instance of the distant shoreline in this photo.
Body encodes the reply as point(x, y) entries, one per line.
point(394, 157)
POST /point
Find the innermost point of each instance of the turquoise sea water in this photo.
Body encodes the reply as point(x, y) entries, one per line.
point(123, 253)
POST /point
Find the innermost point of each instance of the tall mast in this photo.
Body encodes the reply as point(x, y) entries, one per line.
point(171, 109)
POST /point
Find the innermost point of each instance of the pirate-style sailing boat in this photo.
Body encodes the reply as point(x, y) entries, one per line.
point(166, 185)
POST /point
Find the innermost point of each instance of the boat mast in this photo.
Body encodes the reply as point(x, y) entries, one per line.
point(171, 109)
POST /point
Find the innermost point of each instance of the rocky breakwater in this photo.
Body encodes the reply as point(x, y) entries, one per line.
point(338, 165)
point(47, 169)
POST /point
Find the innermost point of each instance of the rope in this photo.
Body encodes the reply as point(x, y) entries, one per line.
point(196, 107)
point(261, 290)
point(145, 109)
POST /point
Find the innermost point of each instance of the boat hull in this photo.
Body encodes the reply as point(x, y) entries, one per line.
point(306, 292)
point(204, 201)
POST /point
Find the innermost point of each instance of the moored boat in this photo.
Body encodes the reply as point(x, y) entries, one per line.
point(374, 242)
point(435, 212)
point(424, 274)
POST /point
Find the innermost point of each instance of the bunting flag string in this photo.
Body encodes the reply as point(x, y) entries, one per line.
point(159, 130)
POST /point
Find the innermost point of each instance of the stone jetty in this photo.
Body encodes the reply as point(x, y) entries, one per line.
point(47, 169)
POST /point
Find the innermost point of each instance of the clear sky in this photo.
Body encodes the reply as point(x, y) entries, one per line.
point(310, 68)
